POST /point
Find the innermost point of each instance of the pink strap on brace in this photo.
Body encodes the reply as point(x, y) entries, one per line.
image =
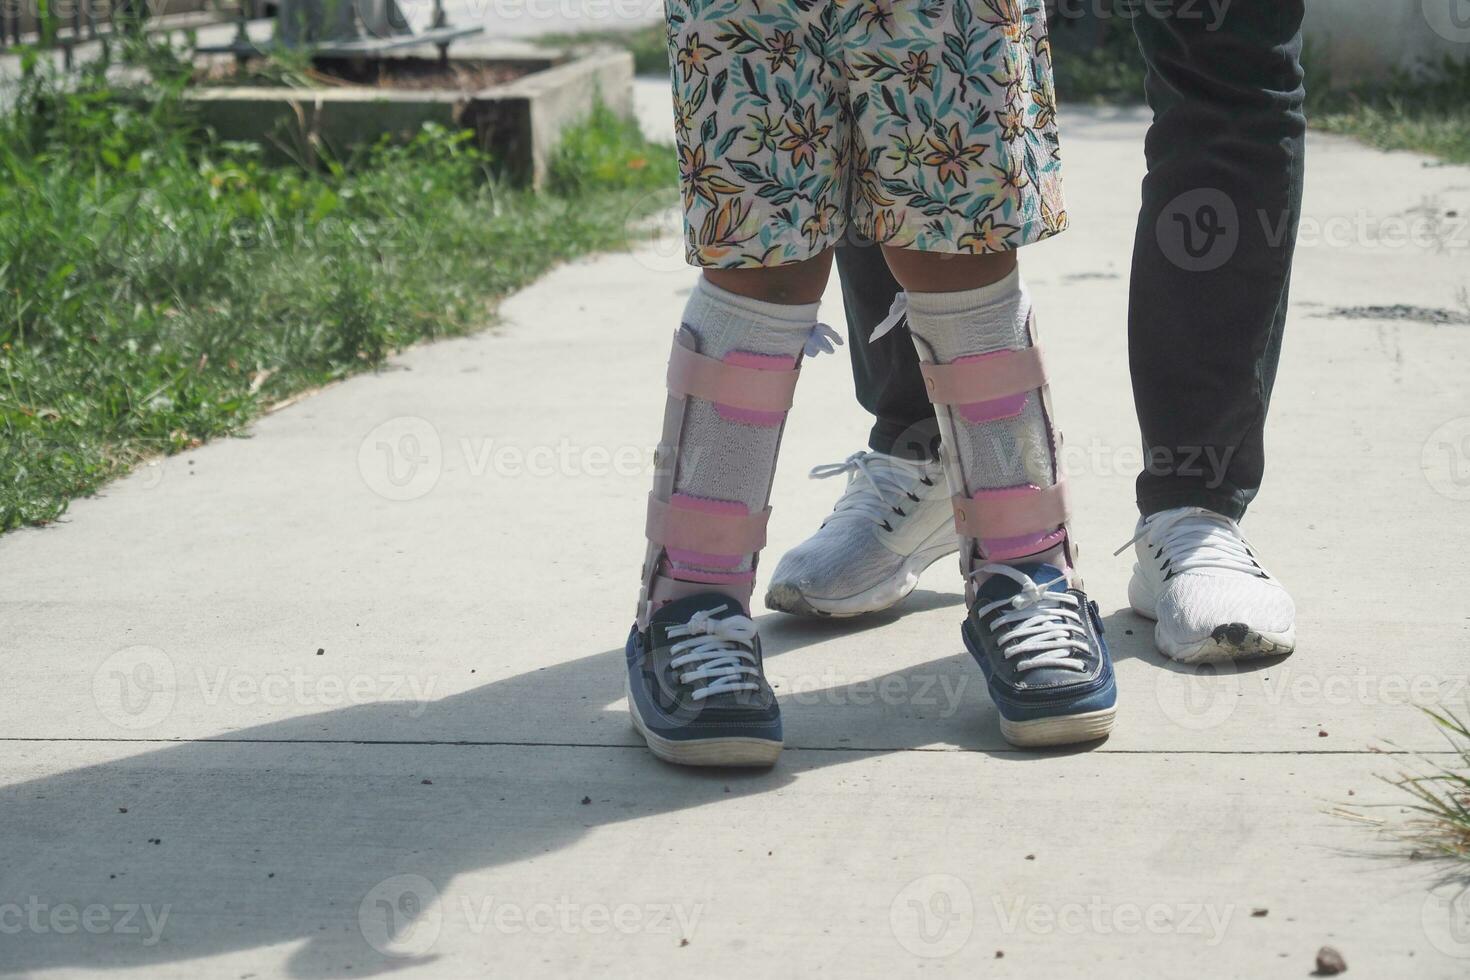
point(686, 524)
point(1014, 521)
point(691, 374)
point(984, 378)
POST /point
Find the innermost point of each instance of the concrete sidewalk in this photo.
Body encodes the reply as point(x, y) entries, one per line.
point(343, 698)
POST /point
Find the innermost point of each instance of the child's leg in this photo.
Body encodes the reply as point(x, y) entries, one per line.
point(1031, 627)
point(762, 133)
point(696, 689)
point(972, 322)
point(958, 165)
point(732, 371)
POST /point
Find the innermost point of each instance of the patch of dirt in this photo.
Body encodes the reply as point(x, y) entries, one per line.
point(1401, 313)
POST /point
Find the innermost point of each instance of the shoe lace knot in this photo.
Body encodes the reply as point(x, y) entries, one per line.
point(720, 653)
point(1042, 625)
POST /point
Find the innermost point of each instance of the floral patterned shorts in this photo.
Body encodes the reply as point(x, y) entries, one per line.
point(926, 124)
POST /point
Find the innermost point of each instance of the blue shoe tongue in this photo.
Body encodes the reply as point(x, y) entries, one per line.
point(681, 610)
point(1003, 586)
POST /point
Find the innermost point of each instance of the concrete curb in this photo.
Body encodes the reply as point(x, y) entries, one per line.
point(519, 123)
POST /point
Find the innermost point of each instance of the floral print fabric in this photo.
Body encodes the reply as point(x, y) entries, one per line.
point(927, 124)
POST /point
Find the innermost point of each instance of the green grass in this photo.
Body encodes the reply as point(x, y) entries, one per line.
point(159, 288)
point(1442, 795)
point(1439, 798)
point(649, 45)
point(1428, 114)
point(1111, 72)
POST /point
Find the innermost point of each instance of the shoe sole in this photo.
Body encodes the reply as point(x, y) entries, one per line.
point(1062, 730)
point(885, 595)
point(1226, 642)
point(728, 752)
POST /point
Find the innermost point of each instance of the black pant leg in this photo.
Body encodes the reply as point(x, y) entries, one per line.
point(885, 373)
point(1212, 258)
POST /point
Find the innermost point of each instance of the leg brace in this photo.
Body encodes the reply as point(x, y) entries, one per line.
point(698, 543)
point(997, 524)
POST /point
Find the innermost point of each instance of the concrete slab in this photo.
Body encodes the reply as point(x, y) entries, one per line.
point(428, 573)
point(315, 860)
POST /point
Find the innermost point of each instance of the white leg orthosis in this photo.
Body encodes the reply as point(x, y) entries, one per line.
point(732, 373)
point(986, 378)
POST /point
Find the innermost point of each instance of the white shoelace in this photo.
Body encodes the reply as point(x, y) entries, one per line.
point(897, 310)
point(1194, 538)
point(879, 488)
point(822, 340)
point(1042, 622)
point(722, 651)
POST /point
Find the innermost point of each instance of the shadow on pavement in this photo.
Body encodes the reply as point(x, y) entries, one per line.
point(248, 847)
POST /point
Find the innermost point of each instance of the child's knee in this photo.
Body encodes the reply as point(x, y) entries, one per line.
point(796, 283)
point(947, 272)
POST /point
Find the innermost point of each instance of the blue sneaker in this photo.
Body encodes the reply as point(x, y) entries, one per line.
point(695, 687)
point(1040, 645)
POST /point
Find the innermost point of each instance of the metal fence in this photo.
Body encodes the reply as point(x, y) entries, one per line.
point(64, 24)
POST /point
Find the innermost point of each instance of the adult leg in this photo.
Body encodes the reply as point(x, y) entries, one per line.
point(1212, 257)
point(885, 372)
point(892, 520)
point(1211, 272)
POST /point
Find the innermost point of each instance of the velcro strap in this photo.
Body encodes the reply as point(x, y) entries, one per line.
point(687, 529)
point(693, 374)
point(985, 378)
point(1011, 512)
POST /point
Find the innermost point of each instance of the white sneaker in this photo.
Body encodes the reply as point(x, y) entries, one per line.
point(1211, 597)
point(893, 521)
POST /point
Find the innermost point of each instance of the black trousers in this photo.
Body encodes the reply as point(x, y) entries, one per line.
point(1211, 260)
